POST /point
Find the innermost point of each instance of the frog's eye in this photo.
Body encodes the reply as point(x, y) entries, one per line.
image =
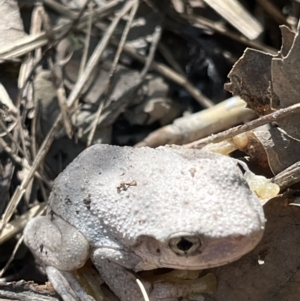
point(185, 245)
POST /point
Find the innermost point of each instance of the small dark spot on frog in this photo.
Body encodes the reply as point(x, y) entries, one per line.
point(51, 215)
point(87, 201)
point(123, 186)
point(192, 171)
point(68, 201)
point(77, 212)
point(186, 202)
point(158, 251)
point(41, 248)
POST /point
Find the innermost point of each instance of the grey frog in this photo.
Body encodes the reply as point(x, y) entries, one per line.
point(139, 209)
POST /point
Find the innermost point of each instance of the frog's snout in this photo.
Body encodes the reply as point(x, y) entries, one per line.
point(185, 245)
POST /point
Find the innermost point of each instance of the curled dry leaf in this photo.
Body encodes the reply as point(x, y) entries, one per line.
point(268, 83)
point(250, 79)
point(285, 85)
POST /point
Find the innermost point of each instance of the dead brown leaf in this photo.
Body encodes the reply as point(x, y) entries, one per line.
point(269, 83)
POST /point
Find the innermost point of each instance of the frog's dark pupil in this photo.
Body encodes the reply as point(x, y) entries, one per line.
point(184, 245)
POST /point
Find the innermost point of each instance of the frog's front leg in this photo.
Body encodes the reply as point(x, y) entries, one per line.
point(62, 249)
point(116, 266)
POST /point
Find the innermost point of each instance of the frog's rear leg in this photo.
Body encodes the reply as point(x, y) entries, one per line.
point(61, 248)
point(56, 243)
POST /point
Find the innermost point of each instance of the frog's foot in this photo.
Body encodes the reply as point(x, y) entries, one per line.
point(168, 286)
point(67, 285)
point(56, 243)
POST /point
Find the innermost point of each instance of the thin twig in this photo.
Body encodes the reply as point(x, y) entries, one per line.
point(86, 41)
point(150, 58)
point(166, 53)
point(245, 127)
point(58, 82)
point(12, 256)
point(273, 11)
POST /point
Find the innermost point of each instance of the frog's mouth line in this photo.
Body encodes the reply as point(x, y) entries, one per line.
point(199, 267)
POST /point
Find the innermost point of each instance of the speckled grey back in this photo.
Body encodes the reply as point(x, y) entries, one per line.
point(124, 192)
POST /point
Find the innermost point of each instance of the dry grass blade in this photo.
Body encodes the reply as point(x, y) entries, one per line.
point(24, 45)
point(233, 12)
point(245, 127)
point(7, 131)
point(185, 129)
point(143, 290)
point(61, 96)
point(12, 256)
point(86, 41)
point(62, 100)
point(150, 58)
point(9, 211)
point(273, 11)
point(166, 53)
point(17, 160)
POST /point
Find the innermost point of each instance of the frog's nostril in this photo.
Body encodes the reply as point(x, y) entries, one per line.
point(185, 245)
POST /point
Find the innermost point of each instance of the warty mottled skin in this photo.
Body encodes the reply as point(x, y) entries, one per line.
point(142, 208)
